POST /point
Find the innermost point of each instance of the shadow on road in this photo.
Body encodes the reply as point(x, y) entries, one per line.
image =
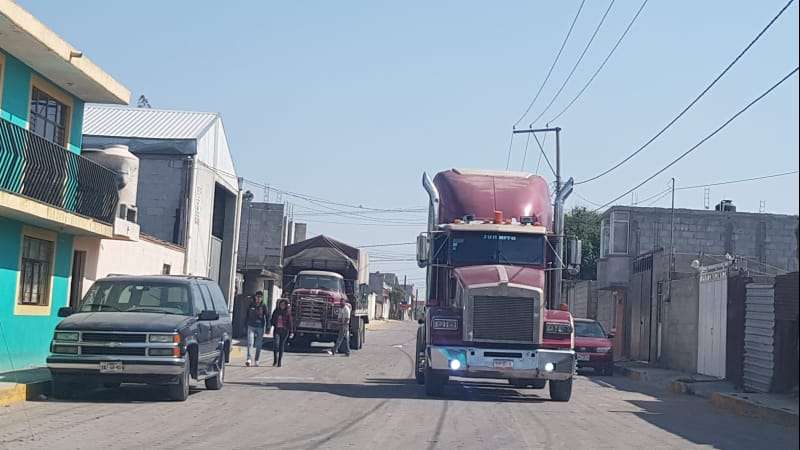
point(128, 393)
point(401, 388)
point(694, 419)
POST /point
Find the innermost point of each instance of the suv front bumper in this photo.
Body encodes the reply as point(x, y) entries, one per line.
point(474, 362)
point(135, 366)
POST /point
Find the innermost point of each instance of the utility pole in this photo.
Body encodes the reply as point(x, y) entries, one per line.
point(671, 243)
point(248, 197)
point(562, 192)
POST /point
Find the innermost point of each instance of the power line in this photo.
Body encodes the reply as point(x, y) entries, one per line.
point(738, 181)
point(541, 149)
point(386, 245)
point(702, 141)
point(577, 63)
point(603, 64)
point(525, 153)
point(696, 99)
point(552, 66)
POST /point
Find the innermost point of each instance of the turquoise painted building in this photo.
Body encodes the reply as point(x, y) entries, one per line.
point(49, 194)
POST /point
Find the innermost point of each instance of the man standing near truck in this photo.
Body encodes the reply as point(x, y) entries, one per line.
point(344, 330)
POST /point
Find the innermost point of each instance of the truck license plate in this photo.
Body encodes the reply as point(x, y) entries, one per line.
point(310, 324)
point(583, 357)
point(111, 367)
point(503, 364)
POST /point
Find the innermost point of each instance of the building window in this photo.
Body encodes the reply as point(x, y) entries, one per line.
point(166, 269)
point(49, 118)
point(614, 234)
point(35, 264)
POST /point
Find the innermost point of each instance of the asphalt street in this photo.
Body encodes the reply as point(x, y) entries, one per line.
point(370, 401)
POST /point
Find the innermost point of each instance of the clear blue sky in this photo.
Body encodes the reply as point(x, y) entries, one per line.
point(351, 101)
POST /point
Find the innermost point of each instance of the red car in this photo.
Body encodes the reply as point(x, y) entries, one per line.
point(593, 347)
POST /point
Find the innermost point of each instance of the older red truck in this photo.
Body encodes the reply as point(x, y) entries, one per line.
point(487, 257)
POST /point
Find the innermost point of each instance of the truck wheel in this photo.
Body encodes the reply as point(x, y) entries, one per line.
point(561, 390)
point(215, 383)
point(355, 342)
point(180, 391)
point(419, 368)
point(434, 384)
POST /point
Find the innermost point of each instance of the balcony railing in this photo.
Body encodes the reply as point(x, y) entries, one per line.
point(34, 167)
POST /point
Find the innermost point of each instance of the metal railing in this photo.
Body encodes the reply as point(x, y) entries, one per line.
point(39, 169)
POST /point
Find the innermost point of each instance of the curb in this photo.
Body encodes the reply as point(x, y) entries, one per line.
point(18, 393)
point(743, 407)
point(628, 372)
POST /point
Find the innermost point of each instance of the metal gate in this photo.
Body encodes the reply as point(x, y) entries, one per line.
point(215, 258)
point(712, 320)
point(641, 301)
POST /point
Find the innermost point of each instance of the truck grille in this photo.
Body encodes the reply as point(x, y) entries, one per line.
point(315, 309)
point(504, 319)
point(113, 337)
point(128, 351)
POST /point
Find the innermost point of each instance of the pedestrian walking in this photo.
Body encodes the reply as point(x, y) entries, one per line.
point(257, 315)
point(344, 331)
point(283, 330)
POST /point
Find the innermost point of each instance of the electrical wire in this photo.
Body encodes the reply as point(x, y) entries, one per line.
point(541, 149)
point(552, 66)
point(742, 180)
point(575, 67)
point(702, 141)
point(386, 245)
point(525, 153)
point(693, 102)
point(603, 64)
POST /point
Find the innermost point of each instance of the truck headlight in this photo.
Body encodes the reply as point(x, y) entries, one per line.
point(603, 349)
point(67, 336)
point(165, 338)
point(445, 324)
point(68, 349)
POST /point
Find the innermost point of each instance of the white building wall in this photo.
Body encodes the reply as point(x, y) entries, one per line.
point(198, 243)
point(143, 257)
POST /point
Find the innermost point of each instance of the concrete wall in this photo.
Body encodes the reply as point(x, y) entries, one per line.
point(161, 196)
point(579, 295)
point(300, 232)
point(680, 321)
point(145, 257)
point(262, 225)
point(613, 270)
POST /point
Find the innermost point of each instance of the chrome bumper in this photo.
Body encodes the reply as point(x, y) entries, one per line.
point(130, 366)
point(494, 363)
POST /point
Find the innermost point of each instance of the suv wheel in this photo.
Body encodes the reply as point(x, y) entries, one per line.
point(215, 383)
point(180, 391)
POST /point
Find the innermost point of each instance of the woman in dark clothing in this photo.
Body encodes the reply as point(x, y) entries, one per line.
point(257, 315)
point(282, 329)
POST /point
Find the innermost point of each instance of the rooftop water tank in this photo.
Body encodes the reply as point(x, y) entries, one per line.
point(126, 165)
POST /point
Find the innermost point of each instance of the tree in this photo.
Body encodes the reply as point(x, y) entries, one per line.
point(584, 224)
point(396, 297)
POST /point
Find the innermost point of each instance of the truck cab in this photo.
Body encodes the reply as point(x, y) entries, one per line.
point(486, 314)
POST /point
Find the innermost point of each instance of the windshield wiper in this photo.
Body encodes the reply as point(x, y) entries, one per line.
point(150, 309)
point(101, 306)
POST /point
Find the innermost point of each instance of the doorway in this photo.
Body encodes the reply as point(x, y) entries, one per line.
point(76, 283)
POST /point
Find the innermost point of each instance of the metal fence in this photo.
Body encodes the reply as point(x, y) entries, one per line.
point(759, 335)
point(41, 170)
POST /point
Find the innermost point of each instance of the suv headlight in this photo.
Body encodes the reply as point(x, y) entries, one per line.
point(445, 324)
point(165, 338)
point(67, 336)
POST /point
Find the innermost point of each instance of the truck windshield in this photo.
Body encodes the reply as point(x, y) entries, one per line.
point(319, 282)
point(589, 329)
point(477, 247)
point(126, 296)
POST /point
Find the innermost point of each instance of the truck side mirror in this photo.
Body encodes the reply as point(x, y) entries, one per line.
point(65, 311)
point(423, 248)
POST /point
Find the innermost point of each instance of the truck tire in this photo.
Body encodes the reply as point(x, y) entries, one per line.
point(434, 383)
point(180, 391)
point(419, 361)
point(355, 342)
point(215, 383)
point(561, 390)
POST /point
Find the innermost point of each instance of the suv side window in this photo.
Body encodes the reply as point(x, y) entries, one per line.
point(216, 296)
point(197, 299)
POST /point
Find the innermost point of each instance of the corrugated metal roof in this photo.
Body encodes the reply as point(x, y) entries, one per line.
point(145, 123)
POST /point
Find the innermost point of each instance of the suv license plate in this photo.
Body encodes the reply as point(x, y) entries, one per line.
point(503, 363)
point(583, 357)
point(310, 324)
point(111, 367)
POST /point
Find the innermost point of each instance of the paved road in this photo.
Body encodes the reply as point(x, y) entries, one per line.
point(369, 401)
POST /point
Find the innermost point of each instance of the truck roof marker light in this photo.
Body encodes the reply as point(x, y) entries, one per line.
point(498, 217)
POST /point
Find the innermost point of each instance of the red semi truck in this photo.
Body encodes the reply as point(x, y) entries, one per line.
point(487, 256)
point(320, 275)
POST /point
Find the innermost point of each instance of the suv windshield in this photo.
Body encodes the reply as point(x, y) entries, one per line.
point(322, 282)
point(496, 248)
point(129, 296)
point(589, 329)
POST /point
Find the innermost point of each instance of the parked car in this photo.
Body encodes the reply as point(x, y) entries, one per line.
point(593, 346)
point(159, 330)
